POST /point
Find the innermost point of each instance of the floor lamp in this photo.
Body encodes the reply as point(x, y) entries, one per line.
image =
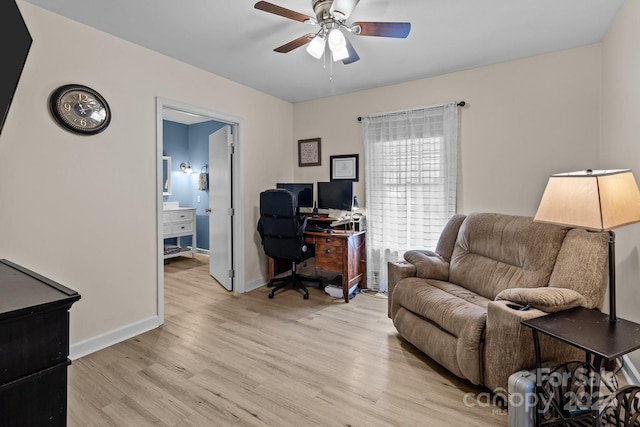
point(595, 200)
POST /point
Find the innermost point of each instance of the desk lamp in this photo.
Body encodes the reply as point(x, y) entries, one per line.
point(595, 200)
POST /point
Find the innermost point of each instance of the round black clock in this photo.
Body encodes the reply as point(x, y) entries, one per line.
point(80, 109)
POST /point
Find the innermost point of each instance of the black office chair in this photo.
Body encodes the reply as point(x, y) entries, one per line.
point(282, 234)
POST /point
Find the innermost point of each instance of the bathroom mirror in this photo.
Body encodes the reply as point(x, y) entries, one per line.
point(166, 175)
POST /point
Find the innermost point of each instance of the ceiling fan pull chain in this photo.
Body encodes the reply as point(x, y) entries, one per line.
point(331, 72)
point(324, 59)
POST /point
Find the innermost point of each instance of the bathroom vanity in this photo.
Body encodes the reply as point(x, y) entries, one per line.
point(179, 222)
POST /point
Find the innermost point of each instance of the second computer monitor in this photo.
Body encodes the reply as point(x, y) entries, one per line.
point(303, 193)
point(335, 195)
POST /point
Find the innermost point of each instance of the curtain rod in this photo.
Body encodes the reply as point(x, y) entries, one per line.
point(459, 104)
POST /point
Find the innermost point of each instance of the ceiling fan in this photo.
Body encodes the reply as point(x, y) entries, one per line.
point(331, 16)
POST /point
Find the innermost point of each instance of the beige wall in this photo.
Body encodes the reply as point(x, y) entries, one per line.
point(620, 146)
point(82, 210)
point(524, 120)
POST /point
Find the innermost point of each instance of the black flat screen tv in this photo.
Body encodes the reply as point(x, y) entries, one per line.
point(335, 195)
point(303, 192)
point(16, 42)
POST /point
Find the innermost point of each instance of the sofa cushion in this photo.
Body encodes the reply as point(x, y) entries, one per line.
point(447, 239)
point(494, 252)
point(457, 313)
point(582, 265)
point(450, 306)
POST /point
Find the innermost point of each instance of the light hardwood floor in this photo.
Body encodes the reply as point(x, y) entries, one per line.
point(224, 359)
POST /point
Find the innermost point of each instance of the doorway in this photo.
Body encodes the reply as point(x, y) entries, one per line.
point(230, 197)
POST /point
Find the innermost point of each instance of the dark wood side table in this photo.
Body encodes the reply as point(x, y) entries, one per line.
point(589, 330)
point(34, 348)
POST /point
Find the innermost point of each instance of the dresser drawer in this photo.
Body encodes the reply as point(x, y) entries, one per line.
point(33, 342)
point(329, 257)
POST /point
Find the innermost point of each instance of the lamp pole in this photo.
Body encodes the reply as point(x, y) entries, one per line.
point(612, 276)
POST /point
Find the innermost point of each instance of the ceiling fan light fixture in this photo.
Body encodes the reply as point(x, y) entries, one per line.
point(331, 16)
point(340, 54)
point(338, 45)
point(336, 40)
point(315, 47)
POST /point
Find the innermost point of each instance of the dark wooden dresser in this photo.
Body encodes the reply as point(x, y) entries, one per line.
point(34, 348)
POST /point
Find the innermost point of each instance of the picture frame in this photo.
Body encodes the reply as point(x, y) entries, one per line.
point(344, 167)
point(309, 153)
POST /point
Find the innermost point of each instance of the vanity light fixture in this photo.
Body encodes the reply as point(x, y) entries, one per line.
point(186, 167)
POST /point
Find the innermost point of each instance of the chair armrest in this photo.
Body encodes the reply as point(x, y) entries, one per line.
point(546, 299)
point(396, 271)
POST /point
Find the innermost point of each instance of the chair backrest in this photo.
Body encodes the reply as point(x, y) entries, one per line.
point(280, 228)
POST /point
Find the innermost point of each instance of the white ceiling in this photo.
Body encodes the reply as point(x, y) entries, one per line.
point(234, 40)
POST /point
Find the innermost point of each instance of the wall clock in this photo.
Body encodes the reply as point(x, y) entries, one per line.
point(80, 109)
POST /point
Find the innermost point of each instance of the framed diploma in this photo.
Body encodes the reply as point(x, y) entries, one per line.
point(344, 168)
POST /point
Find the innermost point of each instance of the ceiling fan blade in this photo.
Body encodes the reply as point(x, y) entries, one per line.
point(294, 44)
point(279, 10)
point(398, 30)
point(353, 55)
point(344, 7)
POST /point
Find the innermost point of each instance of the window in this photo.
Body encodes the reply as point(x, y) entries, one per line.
point(411, 175)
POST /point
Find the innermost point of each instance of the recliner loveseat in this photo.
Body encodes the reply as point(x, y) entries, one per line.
point(453, 303)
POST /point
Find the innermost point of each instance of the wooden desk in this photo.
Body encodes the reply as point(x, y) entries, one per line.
point(343, 252)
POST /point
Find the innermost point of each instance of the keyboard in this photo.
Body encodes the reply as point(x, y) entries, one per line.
point(315, 228)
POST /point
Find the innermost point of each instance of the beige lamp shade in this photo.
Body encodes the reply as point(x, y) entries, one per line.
point(596, 200)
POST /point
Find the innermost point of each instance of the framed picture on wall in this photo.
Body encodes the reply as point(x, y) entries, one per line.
point(344, 168)
point(309, 152)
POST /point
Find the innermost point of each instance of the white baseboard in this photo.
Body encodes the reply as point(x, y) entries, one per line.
point(202, 251)
point(630, 372)
point(255, 284)
point(107, 339)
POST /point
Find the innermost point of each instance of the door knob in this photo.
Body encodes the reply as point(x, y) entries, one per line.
point(207, 210)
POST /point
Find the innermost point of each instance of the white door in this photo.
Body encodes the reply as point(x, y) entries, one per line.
point(221, 204)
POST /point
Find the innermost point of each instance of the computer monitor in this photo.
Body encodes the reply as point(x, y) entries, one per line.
point(335, 195)
point(303, 193)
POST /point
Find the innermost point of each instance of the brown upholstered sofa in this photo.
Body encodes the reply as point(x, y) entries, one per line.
point(452, 304)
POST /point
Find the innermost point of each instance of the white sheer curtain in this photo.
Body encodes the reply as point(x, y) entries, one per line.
point(411, 175)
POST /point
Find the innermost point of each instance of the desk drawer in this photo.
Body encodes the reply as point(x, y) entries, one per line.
point(329, 257)
point(329, 241)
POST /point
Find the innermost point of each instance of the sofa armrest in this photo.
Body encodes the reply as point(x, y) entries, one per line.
point(429, 265)
point(546, 299)
point(397, 270)
point(509, 344)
